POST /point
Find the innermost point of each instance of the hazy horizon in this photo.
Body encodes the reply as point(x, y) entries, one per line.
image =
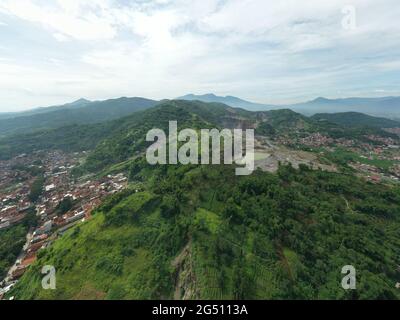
point(266, 52)
point(200, 94)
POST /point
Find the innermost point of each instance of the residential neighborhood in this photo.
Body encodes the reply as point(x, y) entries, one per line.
point(63, 201)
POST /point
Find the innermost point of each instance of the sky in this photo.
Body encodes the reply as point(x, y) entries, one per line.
point(276, 52)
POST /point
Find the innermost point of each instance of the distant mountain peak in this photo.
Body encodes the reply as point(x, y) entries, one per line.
point(231, 101)
point(193, 96)
point(82, 100)
point(211, 95)
point(321, 99)
point(77, 103)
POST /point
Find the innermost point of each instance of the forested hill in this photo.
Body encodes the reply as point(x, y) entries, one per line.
point(356, 119)
point(200, 232)
point(129, 139)
point(77, 137)
point(117, 140)
point(75, 104)
point(189, 232)
point(86, 113)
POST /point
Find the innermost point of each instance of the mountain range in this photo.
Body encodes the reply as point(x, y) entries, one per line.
point(79, 112)
point(388, 107)
point(383, 107)
point(230, 101)
point(78, 103)
point(87, 131)
point(84, 111)
point(353, 119)
point(201, 232)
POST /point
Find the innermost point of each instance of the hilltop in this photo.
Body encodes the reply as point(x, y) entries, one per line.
point(388, 107)
point(194, 232)
point(228, 100)
point(119, 134)
point(78, 112)
point(381, 107)
point(356, 119)
point(187, 232)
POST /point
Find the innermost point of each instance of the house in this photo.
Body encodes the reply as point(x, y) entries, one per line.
point(376, 178)
point(46, 228)
point(49, 187)
point(39, 238)
point(18, 273)
point(5, 225)
point(76, 217)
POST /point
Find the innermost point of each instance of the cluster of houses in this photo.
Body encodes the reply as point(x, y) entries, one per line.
point(316, 140)
point(374, 147)
point(81, 196)
point(15, 187)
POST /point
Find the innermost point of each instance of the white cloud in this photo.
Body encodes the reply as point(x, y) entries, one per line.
point(264, 50)
point(389, 65)
point(75, 18)
point(60, 37)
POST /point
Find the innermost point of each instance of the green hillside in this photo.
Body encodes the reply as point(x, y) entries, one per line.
point(87, 136)
point(356, 119)
point(117, 140)
point(69, 138)
point(188, 232)
point(12, 240)
point(129, 139)
point(202, 232)
point(87, 113)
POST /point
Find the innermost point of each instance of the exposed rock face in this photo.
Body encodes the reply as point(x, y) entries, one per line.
point(185, 279)
point(238, 123)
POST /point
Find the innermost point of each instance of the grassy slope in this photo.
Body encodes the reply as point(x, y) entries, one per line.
point(12, 240)
point(93, 112)
point(11, 243)
point(202, 232)
point(356, 119)
point(258, 237)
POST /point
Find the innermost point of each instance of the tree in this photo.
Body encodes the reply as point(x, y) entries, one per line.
point(169, 206)
point(36, 189)
point(65, 205)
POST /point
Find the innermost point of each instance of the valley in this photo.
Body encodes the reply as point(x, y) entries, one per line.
point(40, 187)
point(199, 158)
point(322, 196)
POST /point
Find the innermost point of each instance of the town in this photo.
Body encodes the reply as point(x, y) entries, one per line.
point(374, 157)
point(42, 184)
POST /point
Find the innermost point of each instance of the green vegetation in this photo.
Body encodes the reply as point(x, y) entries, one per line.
point(129, 139)
point(202, 232)
point(11, 243)
point(119, 140)
point(70, 138)
point(12, 240)
point(32, 170)
point(65, 205)
point(36, 189)
point(343, 157)
point(91, 112)
point(356, 119)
